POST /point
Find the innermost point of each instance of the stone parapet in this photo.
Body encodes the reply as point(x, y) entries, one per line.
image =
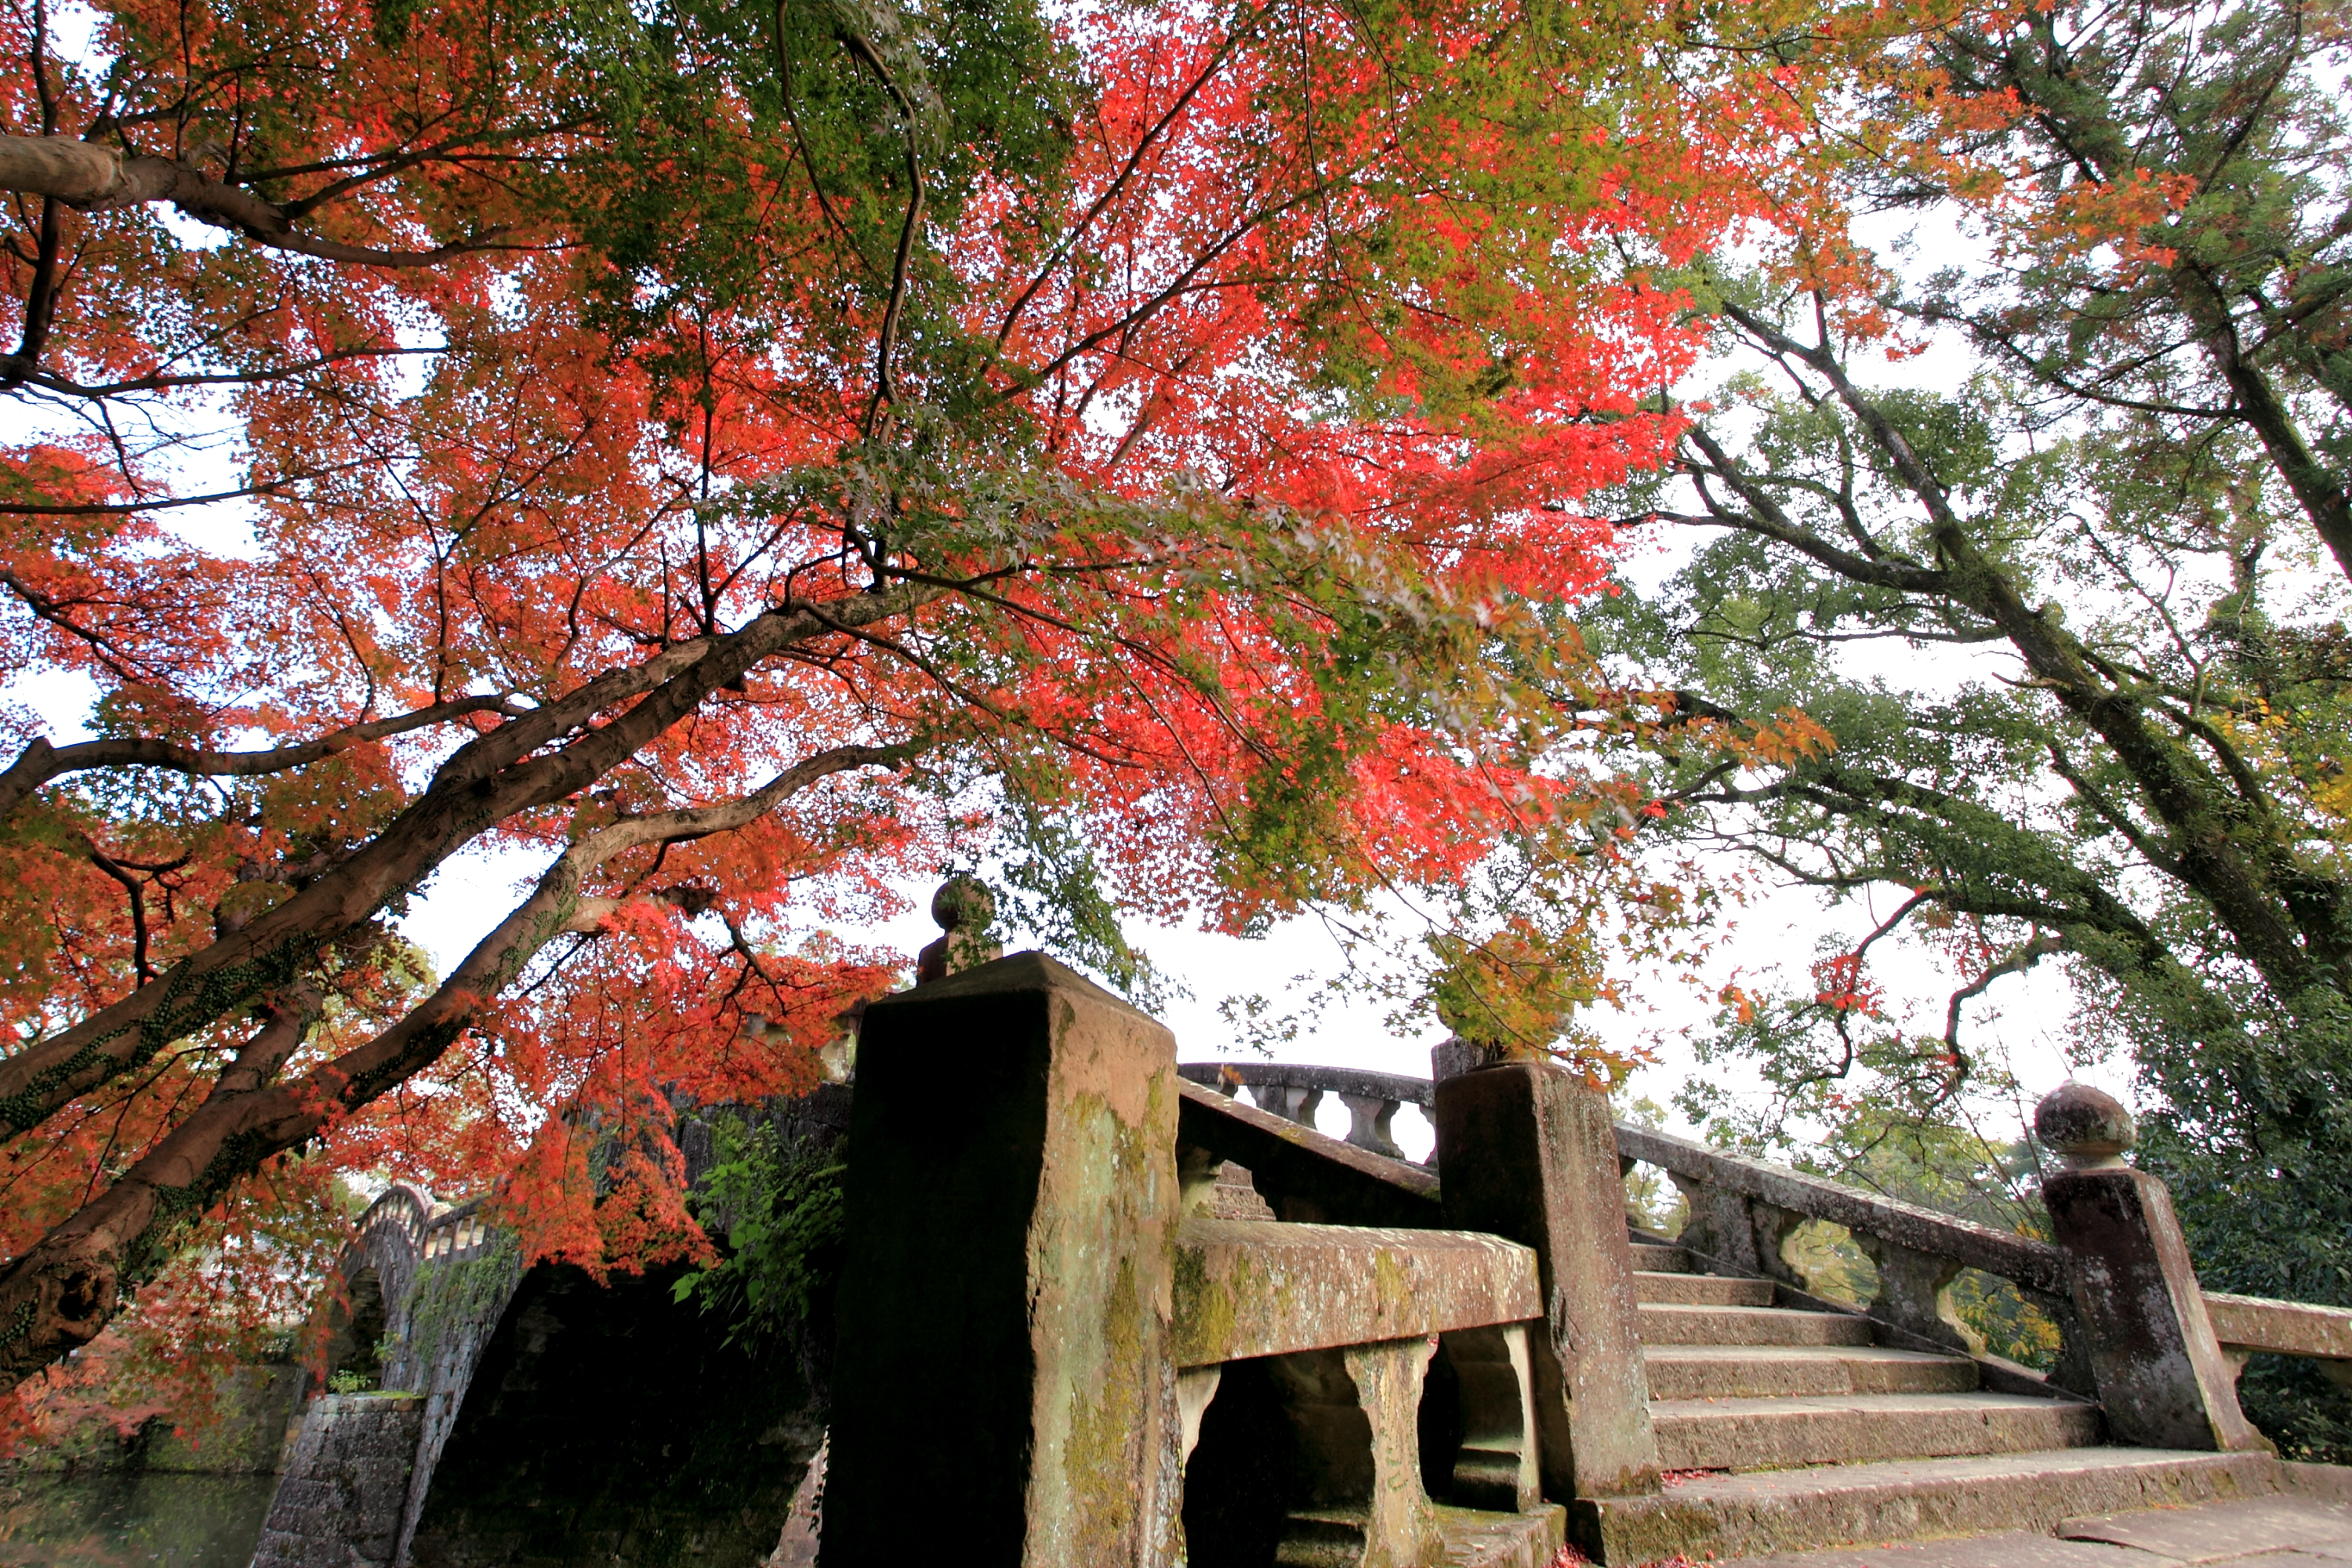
point(1004, 1306)
point(1305, 1176)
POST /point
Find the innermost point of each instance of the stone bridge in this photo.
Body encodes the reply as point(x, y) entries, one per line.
point(1096, 1309)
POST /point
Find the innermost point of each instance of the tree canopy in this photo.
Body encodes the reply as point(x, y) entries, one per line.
point(738, 456)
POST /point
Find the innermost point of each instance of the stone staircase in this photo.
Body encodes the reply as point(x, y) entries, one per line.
point(1787, 1428)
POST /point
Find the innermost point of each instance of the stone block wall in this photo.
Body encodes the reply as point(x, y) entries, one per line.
point(346, 1487)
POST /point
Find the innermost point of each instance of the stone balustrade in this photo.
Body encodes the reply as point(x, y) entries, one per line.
point(2136, 1331)
point(1742, 1213)
point(1296, 1093)
point(1360, 1380)
point(2254, 1325)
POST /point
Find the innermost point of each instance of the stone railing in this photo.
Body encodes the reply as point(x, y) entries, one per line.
point(1372, 1098)
point(1742, 1213)
point(2255, 1325)
point(2136, 1331)
point(455, 1234)
point(1034, 1248)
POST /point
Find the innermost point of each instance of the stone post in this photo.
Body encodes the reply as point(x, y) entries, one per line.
point(1002, 1380)
point(2162, 1378)
point(1527, 1151)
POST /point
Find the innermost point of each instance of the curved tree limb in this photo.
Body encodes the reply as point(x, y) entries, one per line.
point(40, 762)
point(87, 176)
point(64, 1291)
point(488, 781)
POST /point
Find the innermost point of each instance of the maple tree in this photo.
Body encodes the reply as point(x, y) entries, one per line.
point(738, 457)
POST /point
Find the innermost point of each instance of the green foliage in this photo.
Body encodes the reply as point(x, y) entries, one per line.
point(455, 1300)
point(780, 1207)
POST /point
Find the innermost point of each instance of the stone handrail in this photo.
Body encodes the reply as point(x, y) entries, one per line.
point(1294, 1092)
point(2035, 1265)
point(1741, 1212)
point(2256, 1325)
point(1303, 1175)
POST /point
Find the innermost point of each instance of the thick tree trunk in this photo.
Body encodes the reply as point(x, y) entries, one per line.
point(59, 1295)
point(81, 174)
point(86, 174)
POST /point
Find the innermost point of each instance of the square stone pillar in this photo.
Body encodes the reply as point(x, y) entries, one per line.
point(1527, 1151)
point(2162, 1378)
point(1002, 1383)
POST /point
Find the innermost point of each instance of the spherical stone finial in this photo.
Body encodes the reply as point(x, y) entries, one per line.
point(964, 903)
point(966, 910)
point(2088, 1129)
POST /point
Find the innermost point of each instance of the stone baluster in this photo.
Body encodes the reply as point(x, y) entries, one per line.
point(2162, 1378)
point(1289, 1101)
point(1739, 1231)
point(1911, 1286)
point(1495, 1466)
point(1368, 1117)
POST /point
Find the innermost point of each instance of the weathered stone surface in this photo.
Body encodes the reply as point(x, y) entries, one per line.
point(1797, 1510)
point(2021, 1258)
point(1004, 1305)
point(804, 1521)
point(1231, 1195)
point(1304, 1175)
point(1313, 1458)
point(2329, 1483)
point(342, 1500)
point(1496, 1462)
point(1529, 1153)
point(1478, 1539)
point(1248, 1288)
point(1770, 1434)
point(1757, 1372)
point(1664, 1323)
point(1701, 1291)
point(2084, 1125)
point(2162, 1377)
point(1400, 1528)
point(2009, 1549)
point(2221, 1532)
point(2248, 1324)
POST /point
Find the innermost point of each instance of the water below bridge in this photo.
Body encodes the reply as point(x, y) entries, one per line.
point(97, 1519)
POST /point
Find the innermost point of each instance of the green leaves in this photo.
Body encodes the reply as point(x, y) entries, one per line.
point(778, 1205)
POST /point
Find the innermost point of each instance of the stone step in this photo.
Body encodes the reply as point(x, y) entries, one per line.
point(1761, 1372)
point(1668, 1324)
point(1701, 1291)
point(1837, 1505)
point(1785, 1434)
point(1474, 1540)
point(1652, 1258)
